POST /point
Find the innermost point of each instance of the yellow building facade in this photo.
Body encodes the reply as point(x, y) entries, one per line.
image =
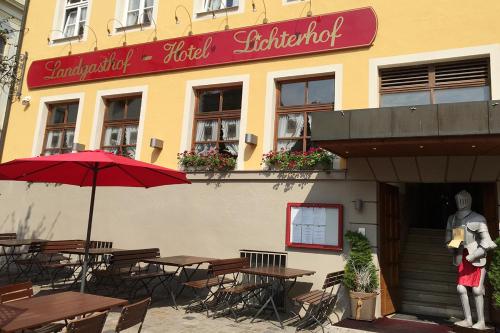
point(440, 59)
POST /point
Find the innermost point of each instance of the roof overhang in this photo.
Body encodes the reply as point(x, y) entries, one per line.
point(471, 128)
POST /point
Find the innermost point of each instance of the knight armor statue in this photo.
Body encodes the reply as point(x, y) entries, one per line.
point(468, 238)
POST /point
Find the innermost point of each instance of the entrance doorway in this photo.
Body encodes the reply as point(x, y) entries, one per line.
point(417, 275)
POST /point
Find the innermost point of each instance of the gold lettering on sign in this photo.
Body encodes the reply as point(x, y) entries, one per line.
point(82, 70)
point(253, 41)
point(176, 51)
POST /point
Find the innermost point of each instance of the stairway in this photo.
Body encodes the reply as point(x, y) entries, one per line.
point(428, 277)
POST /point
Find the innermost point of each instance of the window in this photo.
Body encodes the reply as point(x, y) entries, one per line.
point(121, 123)
point(217, 120)
point(60, 129)
point(211, 5)
point(462, 81)
point(296, 101)
point(2, 46)
point(75, 16)
point(139, 12)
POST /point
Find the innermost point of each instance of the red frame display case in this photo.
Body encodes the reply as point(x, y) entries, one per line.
point(291, 244)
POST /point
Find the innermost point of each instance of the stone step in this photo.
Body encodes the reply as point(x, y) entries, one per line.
point(426, 285)
point(426, 258)
point(425, 231)
point(430, 297)
point(423, 274)
point(425, 248)
point(429, 266)
point(432, 309)
point(422, 239)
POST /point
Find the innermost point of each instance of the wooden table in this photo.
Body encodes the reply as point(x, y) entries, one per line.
point(181, 262)
point(280, 275)
point(11, 255)
point(38, 311)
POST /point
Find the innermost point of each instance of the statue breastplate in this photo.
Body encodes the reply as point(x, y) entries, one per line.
point(470, 223)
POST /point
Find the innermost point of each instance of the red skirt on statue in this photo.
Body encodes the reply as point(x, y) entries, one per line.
point(468, 274)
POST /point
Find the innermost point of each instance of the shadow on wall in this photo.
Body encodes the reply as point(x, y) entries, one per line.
point(26, 228)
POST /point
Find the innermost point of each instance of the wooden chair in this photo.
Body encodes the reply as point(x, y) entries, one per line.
point(125, 273)
point(220, 273)
point(318, 303)
point(90, 324)
point(133, 314)
point(230, 296)
point(23, 290)
point(101, 245)
point(9, 235)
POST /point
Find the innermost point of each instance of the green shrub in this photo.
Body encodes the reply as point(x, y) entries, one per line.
point(360, 271)
point(494, 273)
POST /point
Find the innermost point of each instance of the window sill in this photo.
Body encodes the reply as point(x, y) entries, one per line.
point(62, 40)
point(132, 27)
point(217, 11)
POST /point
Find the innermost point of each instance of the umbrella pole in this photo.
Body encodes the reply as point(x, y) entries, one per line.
point(89, 231)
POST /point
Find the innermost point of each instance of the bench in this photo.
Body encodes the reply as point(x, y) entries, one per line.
point(317, 304)
point(48, 259)
point(126, 272)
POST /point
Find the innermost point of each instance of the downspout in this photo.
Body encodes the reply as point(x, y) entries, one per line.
point(12, 86)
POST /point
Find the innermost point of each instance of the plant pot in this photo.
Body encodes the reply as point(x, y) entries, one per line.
point(363, 305)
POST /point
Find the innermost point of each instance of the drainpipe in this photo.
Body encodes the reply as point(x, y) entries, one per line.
point(11, 89)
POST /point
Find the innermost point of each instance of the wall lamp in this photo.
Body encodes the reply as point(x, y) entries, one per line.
point(226, 27)
point(177, 21)
point(122, 28)
point(62, 34)
point(254, 9)
point(250, 139)
point(309, 12)
point(77, 147)
point(156, 143)
point(95, 36)
point(152, 20)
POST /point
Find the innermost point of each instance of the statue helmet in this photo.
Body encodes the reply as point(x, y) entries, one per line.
point(463, 200)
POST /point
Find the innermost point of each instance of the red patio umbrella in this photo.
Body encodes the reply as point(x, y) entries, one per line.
point(90, 168)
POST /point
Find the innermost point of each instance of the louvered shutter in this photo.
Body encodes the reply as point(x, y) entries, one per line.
point(463, 73)
point(404, 78)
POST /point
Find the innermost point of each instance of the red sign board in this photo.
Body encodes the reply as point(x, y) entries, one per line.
point(349, 29)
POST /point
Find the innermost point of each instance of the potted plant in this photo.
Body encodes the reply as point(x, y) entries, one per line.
point(361, 277)
point(284, 160)
point(212, 161)
point(494, 276)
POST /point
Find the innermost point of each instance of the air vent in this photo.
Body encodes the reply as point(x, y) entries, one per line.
point(475, 72)
point(405, 78)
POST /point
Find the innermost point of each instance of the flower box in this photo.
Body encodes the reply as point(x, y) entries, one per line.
point(211, 161)
point(313, 159)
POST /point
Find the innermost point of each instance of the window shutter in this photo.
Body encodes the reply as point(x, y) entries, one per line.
point(405, 78)
point(473, 72)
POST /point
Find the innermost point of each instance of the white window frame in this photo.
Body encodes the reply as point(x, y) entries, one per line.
point(492, 51)
point(119, 23)
point(202, 11)
point(56, 34)
point(43, 112)
point(296, 73)
point(78, 6)
point(189, 108)
point(100, 110)
point(142, 8)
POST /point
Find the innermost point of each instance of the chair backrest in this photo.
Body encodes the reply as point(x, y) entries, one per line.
point(132, 315)
point(332, 279)
point(16, 291)
point(9, 235)
point(90, 324)
point(51, 247)
point(101, 245)
point(129, 258)
point(227, 266)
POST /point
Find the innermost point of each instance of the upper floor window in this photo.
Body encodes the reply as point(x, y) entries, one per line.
point(139, 12)
point(212, 5)
point(121, 123)
point(75, 17)
point(60, 129)
point(217, 120)
point(461, 81)
point(296, 100)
